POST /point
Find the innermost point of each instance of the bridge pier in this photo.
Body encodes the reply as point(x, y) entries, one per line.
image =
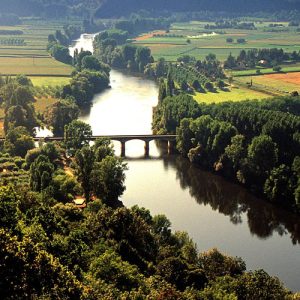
point(171, 147)
point(170, 138)
point(123, 148)
point(147, 147)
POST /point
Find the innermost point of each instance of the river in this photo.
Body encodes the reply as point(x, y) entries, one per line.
point(214, 212)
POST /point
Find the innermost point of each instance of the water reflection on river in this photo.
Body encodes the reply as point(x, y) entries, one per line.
point(214, 212)
point(218, 214)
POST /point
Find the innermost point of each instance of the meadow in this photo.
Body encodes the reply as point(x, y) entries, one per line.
point(42, 66)
point(191, 38)
point(30, 58)
point(233, 93)
point(253, 72)
point(39, 81)
point(282, 82)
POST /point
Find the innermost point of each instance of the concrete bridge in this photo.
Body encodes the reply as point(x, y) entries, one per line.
point(169, 138)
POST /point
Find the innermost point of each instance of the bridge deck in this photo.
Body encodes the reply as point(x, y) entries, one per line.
point(121, 138)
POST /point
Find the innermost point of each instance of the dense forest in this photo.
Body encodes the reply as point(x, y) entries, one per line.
point(51, 249)
point(255, 143)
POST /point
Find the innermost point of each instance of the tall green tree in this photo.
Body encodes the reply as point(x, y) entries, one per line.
point(8, 208)
point(41, 172)
point(77, 134)
point(262, 155)
point(84, 165)
point(18, 141)
point(108, 179)
point(61, 114)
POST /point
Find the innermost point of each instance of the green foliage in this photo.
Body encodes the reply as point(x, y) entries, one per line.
point(103, 148)
point(102, 252)
point(162, 228)
point(79, 56)
point(261, 284)
point(137, 24)
point(41, 172)
point(206, 137)
point(172, 110)
point(84, 160)
point(18, 101)
point(185, 136)
point(245, 141)
point(120, 36)
point(29, 270)
point(51, 150)
point(60, 53)
point(278, 186)
point(108, 179)
point(8, 208)
point(77, 135)
point(110, 268)
point(262, 155)
point(162, 93)
point(51, 249)
point(263, 57)
point(236, 151)
point(18, 141)
point(91, 62)
point(23, 80)
point(217, 264)
point(65, 187)
point(223, 288)
point(132, 57)
point(100, 172)
point(257, 283)
point(60, 114)
point(84, 85)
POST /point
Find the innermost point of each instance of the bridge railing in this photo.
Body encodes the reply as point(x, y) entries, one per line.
point(147, 138)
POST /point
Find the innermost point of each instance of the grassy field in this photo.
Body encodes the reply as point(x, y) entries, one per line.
point(31, 58)
point(285, 83)
point(235, 93)
point(252, 72)
point(49, 81)
point(191, 38)
point(33, 66)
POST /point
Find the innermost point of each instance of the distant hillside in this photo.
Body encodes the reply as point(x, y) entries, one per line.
point(117, 8)
point(122, 7)
point(49, 8)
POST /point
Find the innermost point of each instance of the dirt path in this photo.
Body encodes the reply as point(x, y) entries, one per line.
point(148, 35)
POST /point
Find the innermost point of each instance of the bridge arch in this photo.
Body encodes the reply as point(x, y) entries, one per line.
point(147, 138)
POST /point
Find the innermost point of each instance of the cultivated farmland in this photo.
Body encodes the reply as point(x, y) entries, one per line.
point(193, 39)
point(233, 93)
point(31, 57)
point(283, 82)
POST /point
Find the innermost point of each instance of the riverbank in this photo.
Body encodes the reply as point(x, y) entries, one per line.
point(213, 211)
